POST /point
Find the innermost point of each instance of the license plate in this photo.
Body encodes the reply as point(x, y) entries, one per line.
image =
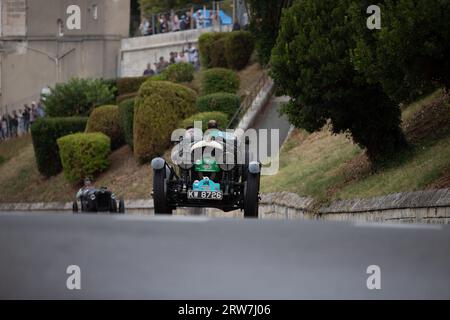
point(208, 195)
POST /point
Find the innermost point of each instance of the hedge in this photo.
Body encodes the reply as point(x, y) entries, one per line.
point(205, 44)
point(217, 54)
point(180, 72)
point(129, 84)
point(126, 116)
point(221, 118)
point(239, 46)
point(227, 103)
point(84, 155)
point(105, 119)
point(45, 132)
point(159, 107)
point(219, 80)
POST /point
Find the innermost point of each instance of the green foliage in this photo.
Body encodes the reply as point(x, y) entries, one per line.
point(179, 72)
point(206, 46)
point(84, 155)
point(130, 84)
point(124, 97)
point(239, 46)
point(227, 103)
point(411, 53)
point(221, 118)
point(311, 63)
point(45, 132)
point(78, 97)
point(217, 54)
point(265, 18)
point(105, 119)
point(159, 107)
point(126, 116)
point(219, 80)
point(112, 85)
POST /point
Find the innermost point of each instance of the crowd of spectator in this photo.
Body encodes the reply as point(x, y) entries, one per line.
point(19, 122)
point(174, 22)
point(189, 55)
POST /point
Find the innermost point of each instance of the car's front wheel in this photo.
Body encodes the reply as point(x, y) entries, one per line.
point(160, 192)
point(113, 208)
point(251, 195)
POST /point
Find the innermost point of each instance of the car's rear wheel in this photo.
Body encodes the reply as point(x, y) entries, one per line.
point(251, 195)
point(75, 207)
point(121, 206)
point(160, 192)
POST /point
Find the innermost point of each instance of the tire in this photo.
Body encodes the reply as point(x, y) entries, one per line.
point(159, 193)
point(75, 207)
point(121, 206)
point(251, 196)
point(113, 208)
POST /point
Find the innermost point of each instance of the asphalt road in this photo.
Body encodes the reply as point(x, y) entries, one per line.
point(200, 258)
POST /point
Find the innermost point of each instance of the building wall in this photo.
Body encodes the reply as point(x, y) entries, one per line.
point(29, 59)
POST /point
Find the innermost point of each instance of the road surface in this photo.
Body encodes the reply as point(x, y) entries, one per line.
point(137, 257)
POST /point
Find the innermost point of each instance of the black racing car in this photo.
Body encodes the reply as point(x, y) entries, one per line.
point(209, 175)
point(98, 200)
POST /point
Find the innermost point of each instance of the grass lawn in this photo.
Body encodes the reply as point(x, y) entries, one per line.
point(329, 167)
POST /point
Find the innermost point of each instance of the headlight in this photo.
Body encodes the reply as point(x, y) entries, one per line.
point(92, 197)
point(113, 196)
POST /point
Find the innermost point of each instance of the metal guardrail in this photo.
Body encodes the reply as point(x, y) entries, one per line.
point(248, 101)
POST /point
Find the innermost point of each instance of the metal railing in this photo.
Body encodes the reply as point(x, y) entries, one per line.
point(248, 101)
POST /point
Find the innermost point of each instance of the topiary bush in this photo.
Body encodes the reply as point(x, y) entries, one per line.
point(159, 107)
point(126, 116)
point(129, 84)
point(238, 48)
point(105, 119)
point(84, 155)
point(45, 132)
point(78, 97)
point(179, 72)
point(221, 118)
point(127, 96)
point(219, 80)
point(227, 103)
point(217, 54)
point(205, 44)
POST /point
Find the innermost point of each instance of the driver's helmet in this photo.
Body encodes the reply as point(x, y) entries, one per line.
point(87, 182)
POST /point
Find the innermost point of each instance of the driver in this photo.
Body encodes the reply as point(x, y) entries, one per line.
point(87, 186)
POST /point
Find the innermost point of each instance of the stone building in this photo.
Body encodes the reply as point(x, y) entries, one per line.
point(43, 42)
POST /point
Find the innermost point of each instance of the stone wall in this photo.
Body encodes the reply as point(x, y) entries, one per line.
point(432, 206)
point(136, 53)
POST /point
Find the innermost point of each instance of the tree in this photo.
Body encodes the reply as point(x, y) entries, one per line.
point(311, 63)
point(411, 52)
point(78, 97)
point(265, 18)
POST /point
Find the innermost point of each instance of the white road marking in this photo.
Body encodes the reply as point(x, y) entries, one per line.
point(397, 225)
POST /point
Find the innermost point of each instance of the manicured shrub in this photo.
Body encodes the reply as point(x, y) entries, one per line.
point(221, 118)
point(84, 155)
point(45, 132)
point(105, 119)
point(126, 116)
point(227, 103)
point(217, 54)
point(112, 84)
point(159, 107)
point(205, 44)
point(78, 97)
point(219, 80)
point(179, 72)
point(130, 84)
point(239, 46)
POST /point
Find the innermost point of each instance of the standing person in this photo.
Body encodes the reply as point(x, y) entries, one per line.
point(144, 27)
point(20, 126)
point(26, 118)
point(149, 71)
point(2, 133)
point(32, 113)
point(161, 65)
point(236, 25)
point(182, 58)
point(40, 109)
point(14, 124)
point(199, 20)
point(175, 23)
point(4, 126)
point(191, 53)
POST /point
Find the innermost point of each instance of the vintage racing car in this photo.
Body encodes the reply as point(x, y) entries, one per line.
point(98, 200)
point(214, 171)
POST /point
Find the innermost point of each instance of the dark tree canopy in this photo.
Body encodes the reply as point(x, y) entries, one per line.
point(311, 62)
